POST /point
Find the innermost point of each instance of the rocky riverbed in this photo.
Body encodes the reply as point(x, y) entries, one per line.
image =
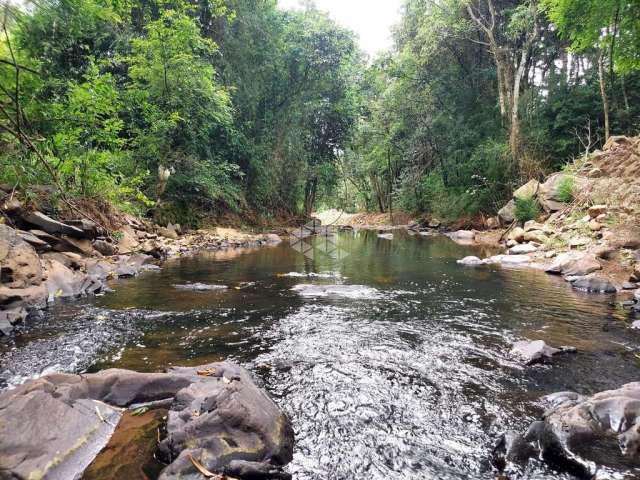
point(43, 259)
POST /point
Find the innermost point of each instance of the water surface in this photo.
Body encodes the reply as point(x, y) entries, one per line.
point(405, 377)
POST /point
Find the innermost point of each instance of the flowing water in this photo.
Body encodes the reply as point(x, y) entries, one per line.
point(399, 369)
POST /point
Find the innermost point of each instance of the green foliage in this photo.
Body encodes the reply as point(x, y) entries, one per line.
point(566, 189)
point(607, 23)
point(251, 107)
point(248, 106)
point(526, 209)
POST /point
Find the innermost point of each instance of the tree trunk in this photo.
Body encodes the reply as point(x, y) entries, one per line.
point(310, 190)
point(603, 94)
point(514, 133)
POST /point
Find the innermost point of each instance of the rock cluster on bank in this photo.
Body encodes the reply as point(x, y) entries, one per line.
point(593, 241)
point(54, 427)
point(42, 258)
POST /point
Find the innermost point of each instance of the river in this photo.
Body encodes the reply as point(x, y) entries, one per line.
point(404, 375)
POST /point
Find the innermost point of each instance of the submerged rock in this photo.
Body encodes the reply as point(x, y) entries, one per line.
point(54, 427)
point(200, 287)
point(594, 285)
point(537, 351)
point(346, 291)
point(471, 261)
point(509, 259)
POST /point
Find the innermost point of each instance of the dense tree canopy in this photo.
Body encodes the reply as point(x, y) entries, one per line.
point(185, 109)
point(479, 95)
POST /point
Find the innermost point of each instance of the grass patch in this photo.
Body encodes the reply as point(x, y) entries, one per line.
point(527, 208)
point(566, 189)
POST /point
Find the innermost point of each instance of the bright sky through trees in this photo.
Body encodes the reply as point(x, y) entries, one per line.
point(370, 19)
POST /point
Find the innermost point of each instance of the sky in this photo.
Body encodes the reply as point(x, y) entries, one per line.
point(370, 19)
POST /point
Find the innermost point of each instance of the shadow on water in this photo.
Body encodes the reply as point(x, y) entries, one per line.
point(408, 377)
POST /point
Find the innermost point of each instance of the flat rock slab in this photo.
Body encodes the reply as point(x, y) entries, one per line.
point(509, 259)
point(523, 249)
point(50, 225)
point(54, 427)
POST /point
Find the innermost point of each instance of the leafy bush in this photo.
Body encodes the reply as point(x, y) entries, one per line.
point(527, 208)
point(566, 188)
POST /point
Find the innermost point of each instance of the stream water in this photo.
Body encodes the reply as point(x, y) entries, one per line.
point(405, 374)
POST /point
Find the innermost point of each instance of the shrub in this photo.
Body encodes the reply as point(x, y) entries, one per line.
point(526, 209)
point(566, 189)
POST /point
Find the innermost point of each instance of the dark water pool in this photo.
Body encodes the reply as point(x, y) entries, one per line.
point(406, 377)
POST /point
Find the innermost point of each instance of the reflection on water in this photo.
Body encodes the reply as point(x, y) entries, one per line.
point(399, 369)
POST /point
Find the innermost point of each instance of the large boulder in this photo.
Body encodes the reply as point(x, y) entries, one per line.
point(582, 434)
point(549, 194)
point(19, 263)
point(54, 427)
